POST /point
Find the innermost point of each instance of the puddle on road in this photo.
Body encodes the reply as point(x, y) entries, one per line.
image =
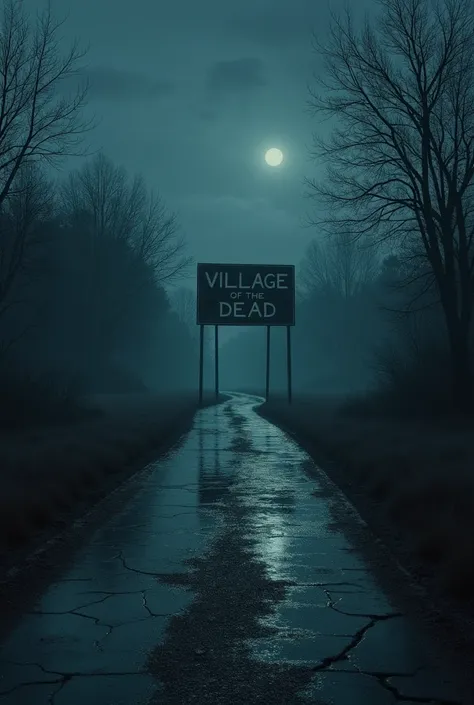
point(225, 580)
point(206, 657)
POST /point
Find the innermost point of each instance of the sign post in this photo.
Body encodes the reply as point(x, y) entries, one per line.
point(267, 375)
point(201, 362)
point(216, 359)
point(288, 360)
point(245, 295)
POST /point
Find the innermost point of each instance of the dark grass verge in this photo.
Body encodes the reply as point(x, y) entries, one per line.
point(51, 476)
point(27, 402)
point(412, 482)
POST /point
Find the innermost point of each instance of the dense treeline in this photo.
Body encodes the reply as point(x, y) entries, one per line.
point(84, 260)
point(83, 266)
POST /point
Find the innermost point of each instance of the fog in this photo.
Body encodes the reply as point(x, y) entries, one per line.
point(140, 197)
point(136, 184)
point(85, 308)
point(357, 334)
point(100, 242)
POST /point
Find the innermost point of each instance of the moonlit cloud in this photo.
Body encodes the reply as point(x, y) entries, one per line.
point(238, 75)
point(112, 84)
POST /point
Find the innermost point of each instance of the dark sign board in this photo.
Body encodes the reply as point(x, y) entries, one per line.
point(245, 295)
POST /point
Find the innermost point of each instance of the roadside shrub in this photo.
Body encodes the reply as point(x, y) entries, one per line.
point(28, 401)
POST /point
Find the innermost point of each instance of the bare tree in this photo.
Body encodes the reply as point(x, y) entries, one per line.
point(160, 243)
point(37, 120)
point(28, 205)
point(356, 263)
point(317, 271)
point(103, 195)
point(26, 209)
point(340, 264)
point(401, 161)
point(183, 302)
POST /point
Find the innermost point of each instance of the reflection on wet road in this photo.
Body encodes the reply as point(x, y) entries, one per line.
point(225, 580)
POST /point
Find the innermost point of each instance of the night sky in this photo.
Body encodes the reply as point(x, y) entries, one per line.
point(191, 94)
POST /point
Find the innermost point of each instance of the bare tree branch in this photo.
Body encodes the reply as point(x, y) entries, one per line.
point(29, 203)
point(400, 162)
point(160, 243)
point(102, 195)
point(36, 121)
point(183, 302)
point(339, 264)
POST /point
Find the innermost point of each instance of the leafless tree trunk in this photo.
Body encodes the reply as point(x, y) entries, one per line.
point(101, 193)
point(356, 263)
point(338, 264)
point(38, 124)
point(160, 242)
point(316, 269)
point(401, 161)
point(183, 302)
point(37, 120)
point(116, 213)
point(122, 208)
point(28, 204)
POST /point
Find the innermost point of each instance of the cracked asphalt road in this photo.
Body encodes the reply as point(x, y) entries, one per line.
point(230, 576)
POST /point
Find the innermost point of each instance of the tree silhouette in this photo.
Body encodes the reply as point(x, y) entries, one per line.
point(108, 203)
point(339, 264)
point(401, 159)
point(38, 120)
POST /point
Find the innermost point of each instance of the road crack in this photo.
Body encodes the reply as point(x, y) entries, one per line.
point(355, 641)
point(332, 605)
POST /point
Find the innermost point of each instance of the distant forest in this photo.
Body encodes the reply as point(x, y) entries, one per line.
point(84, 258)
point(357, 330)
point(83, 268)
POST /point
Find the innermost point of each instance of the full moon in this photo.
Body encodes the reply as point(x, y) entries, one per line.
point(274, 157)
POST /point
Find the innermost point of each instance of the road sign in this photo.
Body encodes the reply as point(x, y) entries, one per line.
point(245, 295)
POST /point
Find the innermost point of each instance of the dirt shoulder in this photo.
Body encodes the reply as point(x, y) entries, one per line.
point(412, 482)
point(53, 475)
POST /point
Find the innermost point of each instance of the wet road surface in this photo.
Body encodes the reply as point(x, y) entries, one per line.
point(229, 577)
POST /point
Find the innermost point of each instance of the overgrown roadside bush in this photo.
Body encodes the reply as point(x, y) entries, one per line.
point(28, 402)
point(411, 381)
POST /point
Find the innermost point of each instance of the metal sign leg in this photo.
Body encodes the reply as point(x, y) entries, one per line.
point(267, 377)
point(216, 359)
point(288, 361)
point(201, 362)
